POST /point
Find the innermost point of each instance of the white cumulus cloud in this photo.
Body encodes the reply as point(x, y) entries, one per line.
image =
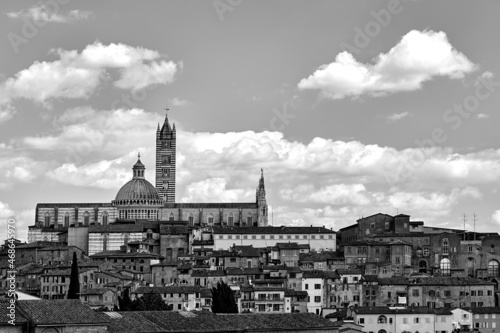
point(418, 57)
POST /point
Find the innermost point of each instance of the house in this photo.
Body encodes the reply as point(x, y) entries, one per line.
point(180, 297)
point(485, 319)
point(462, 319)
point(99, 298)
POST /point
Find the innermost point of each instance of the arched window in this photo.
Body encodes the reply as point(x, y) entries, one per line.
point(47, 219)
point(190, 218)
point(230, 219)
point(171, 218)
point(382, 331)
point(105, 218)
point(210, 219)
point(445, 246)
point(66, 220)
point(382, 320)
point(86, 218)
point(445, 266)
point(126, 237)
point(493, 268)
point(422, 266)
point(105, 243)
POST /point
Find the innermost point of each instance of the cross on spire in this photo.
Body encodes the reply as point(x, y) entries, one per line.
point(166, 111)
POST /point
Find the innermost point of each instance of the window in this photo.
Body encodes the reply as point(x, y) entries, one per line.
point(66, 220)
point(47, 219)
point(445, 246)
point(210, 219)
point(405, 320)
point(190, 219)
point(473, 293)
point(307, 286)
point(104, 218)
point(426, 252)
point(317, 299)
point(387, 225)
point(317, 286)
point(416, 292)
point(479, 293)
point(230, 219)
point(249, 220)
point(445, 266)
point(382, 320)
point(447, 293)
point(493, 268)
point(416, 320)
point(86, 218)
point(361, 320)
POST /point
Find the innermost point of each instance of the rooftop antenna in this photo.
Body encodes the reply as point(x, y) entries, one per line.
point(475, 219)
point(465, 219)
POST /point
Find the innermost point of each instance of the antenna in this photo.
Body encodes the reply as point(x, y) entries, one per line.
point(465, 219)
point(475, 219)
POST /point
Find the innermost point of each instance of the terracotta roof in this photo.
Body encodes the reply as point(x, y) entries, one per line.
point(349, 271)
point(65, 311)
point(320, 256)
point(4, 303)
point(174, 321)
point(273, 230)
point(449, 280)
point(168, 290)
point(107, 254)
point(173, 229)
point(291, 293)
point(95, 291)
point(483, 310)
point(393, 281)
point(242, 271)
point(116, 227)
point(207, 273)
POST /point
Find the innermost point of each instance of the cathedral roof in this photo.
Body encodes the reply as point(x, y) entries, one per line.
point(137, 189)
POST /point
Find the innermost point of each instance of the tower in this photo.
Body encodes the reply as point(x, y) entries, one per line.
point(260, 196)
point(165, 161)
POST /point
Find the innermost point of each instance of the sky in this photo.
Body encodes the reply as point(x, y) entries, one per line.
point(351, 107)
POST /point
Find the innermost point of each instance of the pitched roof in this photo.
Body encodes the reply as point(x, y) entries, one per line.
point(181, 321)
point(396, 280)
point(118, 253)
point(273, 230)
point(450, 280)
point(4, 312)
point(64, 311)
point(166, 229)
point(483, 310)
point(116, 227)
point(320, 256)
point(168, 290)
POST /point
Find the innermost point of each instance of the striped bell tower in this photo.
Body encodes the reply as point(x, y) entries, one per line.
point(165, 160)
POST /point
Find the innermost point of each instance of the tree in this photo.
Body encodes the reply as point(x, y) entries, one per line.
point(125, 302)
point(223, 299)
point(74, 283)
point(149, 302)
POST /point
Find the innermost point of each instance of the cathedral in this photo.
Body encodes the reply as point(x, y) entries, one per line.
point(138, 203)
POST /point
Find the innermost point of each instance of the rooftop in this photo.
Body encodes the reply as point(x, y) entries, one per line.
point(65, 311)
point(273, 230)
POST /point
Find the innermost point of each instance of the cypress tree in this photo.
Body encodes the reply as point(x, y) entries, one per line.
point(74, 283)
point(223, 299)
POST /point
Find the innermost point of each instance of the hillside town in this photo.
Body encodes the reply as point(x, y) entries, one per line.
point(383, 273)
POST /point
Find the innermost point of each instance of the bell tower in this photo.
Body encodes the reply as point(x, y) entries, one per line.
point(165, 160)
point(260, 197)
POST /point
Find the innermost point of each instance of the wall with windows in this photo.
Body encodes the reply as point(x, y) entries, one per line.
point(65, 215)
point(110, 241)
point(487, 320)
point(316, 241)
point(210, 216)
point(315, 291)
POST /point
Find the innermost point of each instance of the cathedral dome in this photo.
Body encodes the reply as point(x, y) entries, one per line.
point(138, 191)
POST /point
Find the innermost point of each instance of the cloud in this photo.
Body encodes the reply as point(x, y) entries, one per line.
point(482, 116)
point(417, 58)
point(397, 116)
point(178, 102)
point(321, 182)
point(43, 13)
point(496, 216)
point(77, 75)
